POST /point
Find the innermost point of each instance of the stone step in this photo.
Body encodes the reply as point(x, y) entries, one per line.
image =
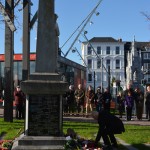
point(39, 143)
point(33, 140)
point(44, 147)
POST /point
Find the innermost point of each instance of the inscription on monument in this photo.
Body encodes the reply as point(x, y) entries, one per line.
point(44, 115)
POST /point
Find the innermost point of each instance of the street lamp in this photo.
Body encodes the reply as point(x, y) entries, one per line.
point(75, 50)
point(87, 19)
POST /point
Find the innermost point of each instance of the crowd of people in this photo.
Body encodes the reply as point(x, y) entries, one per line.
point(75, 100)
point(85, 101)
point(98, 105)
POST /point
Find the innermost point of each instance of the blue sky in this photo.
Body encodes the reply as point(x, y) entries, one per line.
point(117, 19)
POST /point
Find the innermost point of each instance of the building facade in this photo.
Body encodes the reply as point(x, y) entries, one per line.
point(100, 53)
point(71, 72)
point(137, 63)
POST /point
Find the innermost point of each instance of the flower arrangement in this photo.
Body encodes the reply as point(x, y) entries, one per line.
point(75, 142)
point(5, 144)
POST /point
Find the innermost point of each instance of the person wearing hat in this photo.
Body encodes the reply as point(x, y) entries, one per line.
point(108, 126)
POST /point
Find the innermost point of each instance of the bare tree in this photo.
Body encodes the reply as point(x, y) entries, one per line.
point(17, 9)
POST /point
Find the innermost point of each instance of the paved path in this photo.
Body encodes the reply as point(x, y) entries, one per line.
point(134, 121)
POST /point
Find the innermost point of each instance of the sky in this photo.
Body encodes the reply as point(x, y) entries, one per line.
point(117, 19)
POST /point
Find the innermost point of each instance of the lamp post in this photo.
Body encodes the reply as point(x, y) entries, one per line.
point(109, 78)
point(102, 75)
point(86, 22)
point(75, 50)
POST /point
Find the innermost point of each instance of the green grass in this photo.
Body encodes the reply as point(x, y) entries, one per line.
point(85, 130)
point(11, 129)
point(135, 135)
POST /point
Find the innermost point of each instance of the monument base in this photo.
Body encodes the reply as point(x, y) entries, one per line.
point(39, 143)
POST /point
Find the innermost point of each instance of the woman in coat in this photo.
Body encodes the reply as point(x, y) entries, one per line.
point(129, 103)
point(139, 102)
point(89, 99)
point(120, 102)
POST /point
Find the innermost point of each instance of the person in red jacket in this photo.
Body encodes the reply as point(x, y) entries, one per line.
point(19, 102)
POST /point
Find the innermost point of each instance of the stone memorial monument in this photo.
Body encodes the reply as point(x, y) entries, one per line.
point(44, 88)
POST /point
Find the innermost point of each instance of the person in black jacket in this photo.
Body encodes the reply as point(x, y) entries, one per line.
point(79, 96)
point(107, 98)
point(108, 126)
point(99, 99)
point(147, 102)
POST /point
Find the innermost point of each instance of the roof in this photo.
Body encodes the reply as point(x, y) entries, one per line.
point(139, 45)
point(103, 39)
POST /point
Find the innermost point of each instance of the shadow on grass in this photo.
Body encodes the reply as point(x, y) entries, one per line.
point(141, 146)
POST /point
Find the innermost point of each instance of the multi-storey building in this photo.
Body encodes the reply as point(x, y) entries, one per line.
point(99, 54)
point(137, 63)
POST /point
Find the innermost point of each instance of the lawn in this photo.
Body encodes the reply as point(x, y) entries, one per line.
point(10, 130)
point(135, 135)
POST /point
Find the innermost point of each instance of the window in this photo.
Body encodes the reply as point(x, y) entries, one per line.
point(89, 77)
point(108, 50)
point(148, 78)
point(98, 64)
point(117, 64)
point(146, 66)
point(117, 50)
point(89, 63)
point(146, 55)
point(108, 62)
point(98, 50)
point(89, 52)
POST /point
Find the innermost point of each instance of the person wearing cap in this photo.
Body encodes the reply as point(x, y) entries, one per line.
point(19, 102)
point(108, 126)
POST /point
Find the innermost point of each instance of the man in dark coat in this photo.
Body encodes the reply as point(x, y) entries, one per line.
point(79, 96)
point(107, 98)
point(108, 126)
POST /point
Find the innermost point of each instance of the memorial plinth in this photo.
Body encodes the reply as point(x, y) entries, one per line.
point(44, 104)
point(44, 114)
point(44, 89)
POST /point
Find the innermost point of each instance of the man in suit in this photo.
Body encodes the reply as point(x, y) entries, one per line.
point(108, 126)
